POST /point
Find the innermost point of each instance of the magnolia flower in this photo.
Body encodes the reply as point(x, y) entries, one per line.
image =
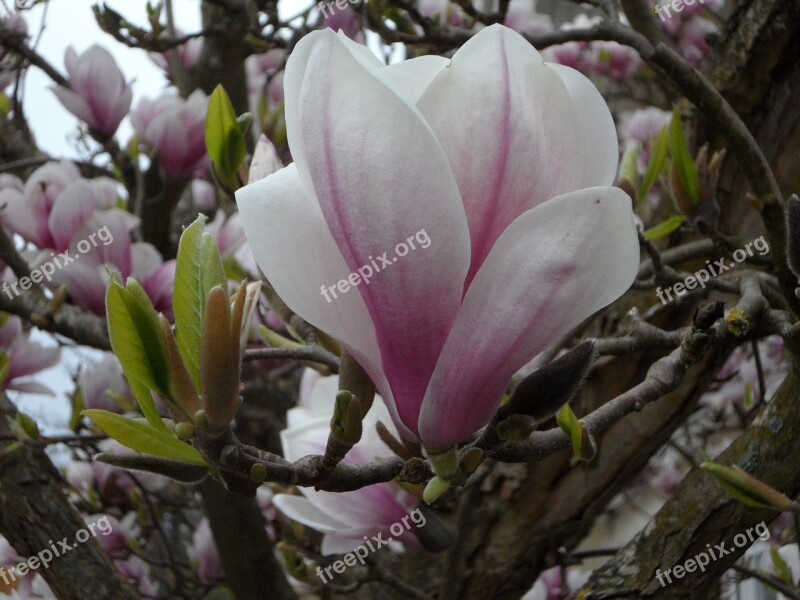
point(102, 382)
point(204, 552)
point(344, 518)
point(8, 63)
point(637, 128)
point(188, 53)
point(26, 357)
point(522, 16)
point(551, 582)
point(444, 10)
point(503, 160)
point(97, 93)
point(175, 128)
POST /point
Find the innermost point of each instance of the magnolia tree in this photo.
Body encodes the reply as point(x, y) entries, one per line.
point(406, 300)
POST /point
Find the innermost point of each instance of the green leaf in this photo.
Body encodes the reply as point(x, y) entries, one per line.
point(139, 348)
point(233, 269)
point(664, 228)
point(147, 405)
point(572, 427)
point(198, 270)
point(225, 141)
point(76, 402)
point(143, 438)
point(28, 425)
point(658, 158)
point(780, 566)
point(684, 163)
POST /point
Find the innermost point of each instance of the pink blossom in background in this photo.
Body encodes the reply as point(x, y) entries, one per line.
point(114, 543)
point(7, 64)
point(613, 60)
point(445, 10)
point(522, 17)
point(348, 21)
point(26, 357)
point(527, 239)
point(137, 569)
point(188, 53)
point(551, 582)
point(204, 195)
point(204, 552)
point(99, 379)
point(98, 94)
point(175, 128)
point(637, 129)
point(346, 517)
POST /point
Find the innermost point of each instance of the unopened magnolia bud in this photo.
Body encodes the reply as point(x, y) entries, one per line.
point(184, 430)
point(174, 469)
point(542, 393)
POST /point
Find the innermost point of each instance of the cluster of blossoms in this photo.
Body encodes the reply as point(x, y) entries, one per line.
point(56, 208)
point(8, 69)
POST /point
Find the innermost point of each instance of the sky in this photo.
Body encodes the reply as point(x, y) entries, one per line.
point(72, 23)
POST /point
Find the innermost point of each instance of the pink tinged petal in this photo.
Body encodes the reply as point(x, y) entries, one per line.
point(553, 267)
point(301, 510)
point(145, 259)
point(75, 104)
point(278, 215)
point(87, 287)
point(159, 287)
point(414, 76)
point(71, 210)
point(265, 160)
point(18, 217)
point(374, 195)
point(598, 133)
point(508, 127)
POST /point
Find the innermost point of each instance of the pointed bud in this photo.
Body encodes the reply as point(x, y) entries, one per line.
point(747, 489)
point(346, 419)
point(352, 377)
point(628, 174)
point(542, 393)
point(174, 469)
point(219, 361)
point(679, 196)
point(182, 393)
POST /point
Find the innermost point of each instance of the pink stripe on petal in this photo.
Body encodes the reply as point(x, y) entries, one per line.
point(554, 266)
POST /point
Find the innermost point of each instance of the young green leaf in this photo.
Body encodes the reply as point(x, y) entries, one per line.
point(745, 488)
point(569, 423)
point(140, 348)
point(664, 228)
point(143, 438)
point(684, 163)
point(658, 158)
point(224, 135)
point(198, 270)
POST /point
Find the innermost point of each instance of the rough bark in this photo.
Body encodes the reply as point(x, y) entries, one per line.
point(36, 513)
point(701, 513)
